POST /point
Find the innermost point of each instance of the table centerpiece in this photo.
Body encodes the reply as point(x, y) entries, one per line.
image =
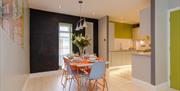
point(81, 42)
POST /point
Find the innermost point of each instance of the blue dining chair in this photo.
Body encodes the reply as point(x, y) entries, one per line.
point(97, 73)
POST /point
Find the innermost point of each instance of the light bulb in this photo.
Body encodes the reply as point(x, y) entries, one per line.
point(77, 28)
point(60, 6)
point(85, 24)
point(81, 26)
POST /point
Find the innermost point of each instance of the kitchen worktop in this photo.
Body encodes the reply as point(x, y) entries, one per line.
point(142, 53)
point(121, 51)
point(134, 52)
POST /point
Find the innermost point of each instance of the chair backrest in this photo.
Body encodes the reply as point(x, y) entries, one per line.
point(98, 70)
point(67, 65)
point(77, 59)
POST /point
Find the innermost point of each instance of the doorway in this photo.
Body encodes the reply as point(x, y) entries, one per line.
point(174, 43)
point(65, 42)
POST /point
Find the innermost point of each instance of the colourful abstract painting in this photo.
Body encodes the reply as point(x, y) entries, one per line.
point(1, 15)
point(13, 20)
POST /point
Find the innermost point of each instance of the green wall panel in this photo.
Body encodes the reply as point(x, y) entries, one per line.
point(175, 49)
point(123, 30)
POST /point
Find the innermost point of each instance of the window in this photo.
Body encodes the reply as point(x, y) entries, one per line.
point(65, 43)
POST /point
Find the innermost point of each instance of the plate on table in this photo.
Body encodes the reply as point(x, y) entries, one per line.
point(92, 60)
point(77, 59)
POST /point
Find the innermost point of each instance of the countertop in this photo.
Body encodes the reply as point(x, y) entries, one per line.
point(142, 54)
point(121, 50)
point(134, 52)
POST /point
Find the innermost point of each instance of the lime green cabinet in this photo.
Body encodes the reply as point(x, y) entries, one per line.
point(123, 30)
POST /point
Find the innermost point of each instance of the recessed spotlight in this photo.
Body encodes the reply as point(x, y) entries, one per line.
point(60, 6)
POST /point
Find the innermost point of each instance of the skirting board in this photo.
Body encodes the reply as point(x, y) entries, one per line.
point(119, 67)
point(25, 84)
point(144, 84)
point(150, 86)
point(43, 74)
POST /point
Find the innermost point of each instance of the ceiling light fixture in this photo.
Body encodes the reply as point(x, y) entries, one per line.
point(81, 24)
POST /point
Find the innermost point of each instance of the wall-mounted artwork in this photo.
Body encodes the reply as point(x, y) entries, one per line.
point(1, 15)
point(13, 20)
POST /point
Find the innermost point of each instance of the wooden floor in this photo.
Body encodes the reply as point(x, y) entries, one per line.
point(118, 80)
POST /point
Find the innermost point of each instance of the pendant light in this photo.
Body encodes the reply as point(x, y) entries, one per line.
point(77, 27)
point(81, 24)
point(84, 23)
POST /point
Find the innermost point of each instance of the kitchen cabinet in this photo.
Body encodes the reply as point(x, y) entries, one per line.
point(137, 34)
point(145, 21)
point(120, 58)
point(141, 66)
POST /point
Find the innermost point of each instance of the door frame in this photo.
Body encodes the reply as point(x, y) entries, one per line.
point(106, 37)
point(169, 44)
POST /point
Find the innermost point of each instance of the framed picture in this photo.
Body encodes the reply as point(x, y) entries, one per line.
point(1, 12)
point(13, 20)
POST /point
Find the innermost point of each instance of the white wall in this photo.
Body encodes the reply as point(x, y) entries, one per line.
point(0, 62)
point(14, 61)
point(102, 37)
point(111, 35)
point(145, 21)
point(173, 3)
point(141, 67)
point(161, 43)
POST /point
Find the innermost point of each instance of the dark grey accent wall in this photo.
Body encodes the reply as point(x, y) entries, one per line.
point(44, 27)
point(153, 66)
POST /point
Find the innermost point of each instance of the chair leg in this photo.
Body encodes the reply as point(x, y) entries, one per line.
point(63, 73)
point(66, 78)
point(96, 86)
point(106, 85)
point(89, 86)
point(86, 83)
point(93, 86)
point(70, 84)
point(78, 83)
point(103, 84)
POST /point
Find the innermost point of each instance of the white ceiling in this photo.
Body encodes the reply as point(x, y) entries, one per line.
point(118, 10)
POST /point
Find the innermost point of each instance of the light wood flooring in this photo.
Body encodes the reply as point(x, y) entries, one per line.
point(118, 80)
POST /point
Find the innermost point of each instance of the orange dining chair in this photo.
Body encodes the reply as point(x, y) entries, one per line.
point(71, 74)
point(64, 72)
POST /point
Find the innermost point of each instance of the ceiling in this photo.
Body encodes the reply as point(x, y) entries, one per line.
point(118, 10)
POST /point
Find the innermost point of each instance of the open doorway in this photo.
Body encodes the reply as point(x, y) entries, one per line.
point(65, 43)
point(130, 48)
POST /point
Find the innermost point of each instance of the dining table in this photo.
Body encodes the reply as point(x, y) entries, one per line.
point(83, 64)
point(86, 62)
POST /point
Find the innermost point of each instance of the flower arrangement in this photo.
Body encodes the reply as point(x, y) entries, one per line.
point(81, 42)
